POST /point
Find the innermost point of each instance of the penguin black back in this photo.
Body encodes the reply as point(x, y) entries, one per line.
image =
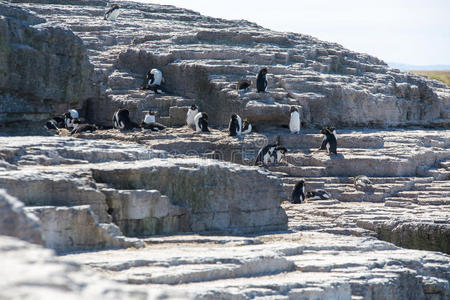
point(330, 139)
point(261, 80)
point(121, 119)
point(264, 154)
point(234, 125)
point(203, 122)
point(298, 193)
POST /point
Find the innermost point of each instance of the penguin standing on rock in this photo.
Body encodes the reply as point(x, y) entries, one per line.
point(201, 122)
point(329, 142)
point(192, 112)
point(294, 123)
point(112, 13)
point(298, 193)
point(261, 80)
point(121, 120)
point(234, 127)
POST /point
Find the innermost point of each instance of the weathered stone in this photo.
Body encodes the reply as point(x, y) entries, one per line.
point(248, 199)
point(145, 212)
point(16, 222)
point(32, 272)
point(67, 229)
point(202, 58)
point(43, 70)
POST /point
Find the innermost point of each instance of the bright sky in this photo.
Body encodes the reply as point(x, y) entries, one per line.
point(413, 32)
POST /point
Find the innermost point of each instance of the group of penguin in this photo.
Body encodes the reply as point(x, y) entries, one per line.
point(198, 121)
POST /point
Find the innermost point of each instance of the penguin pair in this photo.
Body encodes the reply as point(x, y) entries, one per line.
point(270, 154)
point(153, 81)
point(238, 127)
point(329, 142)
point(198, 121)
point(298, 195)
point(122, 121)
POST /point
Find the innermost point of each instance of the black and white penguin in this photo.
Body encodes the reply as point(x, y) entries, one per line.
point(246, 127)
point(294, 122)
point(261, 80)
point(298, 193)
point(52, 125)
point(264, 154)
point(201, 122)
point(363, 183)
point(234, 127)
point(112, 13)
point(243, 84)
point(277, 154)
point(190, 115)
point(329, 142)
point(150, 122)
point(83, 128)
point(69, 118)
point(121, 120)
point(318, 195)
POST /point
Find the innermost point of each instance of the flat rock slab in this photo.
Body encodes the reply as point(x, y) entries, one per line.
point(302, 264)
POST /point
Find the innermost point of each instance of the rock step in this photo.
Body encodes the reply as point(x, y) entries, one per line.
point(81, 229)
point(298, 171)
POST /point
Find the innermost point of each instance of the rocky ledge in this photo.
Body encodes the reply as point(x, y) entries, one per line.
point(180, 215)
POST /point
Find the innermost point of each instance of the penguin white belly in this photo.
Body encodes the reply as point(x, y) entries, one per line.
point(279, 156)
point(190, 117)
point(294, 123)
point(248, 130)
point(158, 76)
point(114, 14)
point(239, 131)
point(149, 119)
point(196, 118)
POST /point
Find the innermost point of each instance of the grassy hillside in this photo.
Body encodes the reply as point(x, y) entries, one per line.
point(443, 76)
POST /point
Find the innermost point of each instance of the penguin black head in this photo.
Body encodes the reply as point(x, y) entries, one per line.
point(204, 116)
point(331, 128)
point(263, 71)
point(293, 108)
point(310, 194)
point(283, 150)
point(194, 107)
point(115, 6)
point(233, 117)
point(299, 184)
point(325, 131)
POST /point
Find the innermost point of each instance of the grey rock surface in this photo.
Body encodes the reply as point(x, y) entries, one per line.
point(44, 70)
point(16, 222)
point(32, 272)
point(77, 228)
point(202, 58)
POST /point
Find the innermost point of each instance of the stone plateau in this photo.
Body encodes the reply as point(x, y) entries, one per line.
point(179, 215)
